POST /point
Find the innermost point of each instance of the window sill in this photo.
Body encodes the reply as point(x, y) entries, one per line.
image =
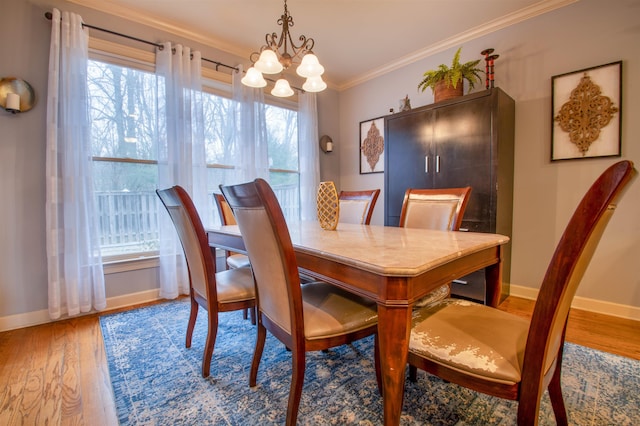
point(146, 262)
point(126, 265)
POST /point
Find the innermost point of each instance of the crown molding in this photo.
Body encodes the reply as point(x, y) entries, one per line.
point(144, 18)
point(532, 11)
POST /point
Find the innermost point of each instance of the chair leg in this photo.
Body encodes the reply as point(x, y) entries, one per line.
point(557, 402)
point(413, 373)
point(297, 381)
point(244, 313)
point(252, 313)
point(193, 315)
point(376, 362)
point(212, 333)
point(257, 354)
point(555, 393)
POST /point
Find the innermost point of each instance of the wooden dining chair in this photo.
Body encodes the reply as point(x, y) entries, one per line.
point(232, 259)
point(500, 354)
point(312, 317)
point(440, 209)
point(222, 291)
point(357, 206)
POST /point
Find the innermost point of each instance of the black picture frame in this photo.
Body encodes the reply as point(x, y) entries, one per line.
point(601, 137)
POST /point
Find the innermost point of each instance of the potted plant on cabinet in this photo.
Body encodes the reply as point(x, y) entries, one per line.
point(448, 82)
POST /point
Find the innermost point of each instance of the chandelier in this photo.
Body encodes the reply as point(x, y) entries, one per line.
point(278, 54)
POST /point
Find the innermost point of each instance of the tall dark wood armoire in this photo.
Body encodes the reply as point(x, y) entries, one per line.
point(467, 141)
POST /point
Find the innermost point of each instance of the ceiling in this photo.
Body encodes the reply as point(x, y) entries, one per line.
point(354, 39)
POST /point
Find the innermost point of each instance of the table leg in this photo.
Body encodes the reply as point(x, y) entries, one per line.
point(394, 327)
point(493, 282)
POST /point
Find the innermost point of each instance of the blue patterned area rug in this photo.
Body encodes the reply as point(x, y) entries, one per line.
point(156, 380)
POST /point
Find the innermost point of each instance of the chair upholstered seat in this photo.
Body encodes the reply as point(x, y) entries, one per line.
point(330, 311)
point(491, 351)
point(238, 260)
point(434, 296)
point(438, 331)
point(235, 285)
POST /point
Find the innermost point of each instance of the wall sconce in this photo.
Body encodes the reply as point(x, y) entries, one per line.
point(326, 144)
point(16, 95)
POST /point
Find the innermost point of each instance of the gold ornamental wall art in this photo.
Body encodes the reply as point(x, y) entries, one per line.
point(372, 146)
point(586, 113)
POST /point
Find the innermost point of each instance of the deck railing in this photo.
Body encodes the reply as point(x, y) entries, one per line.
point(128, 221)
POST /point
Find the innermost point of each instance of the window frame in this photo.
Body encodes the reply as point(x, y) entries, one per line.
point(214, 82)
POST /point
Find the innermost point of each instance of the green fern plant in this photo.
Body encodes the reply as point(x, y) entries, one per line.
point(452, 75)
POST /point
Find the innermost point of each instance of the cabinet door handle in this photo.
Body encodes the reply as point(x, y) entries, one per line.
point(461, 282)
point(437, 164)
point(426, 164)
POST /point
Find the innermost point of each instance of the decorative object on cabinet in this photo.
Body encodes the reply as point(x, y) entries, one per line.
point(586, 108)
point(448, 82)
point(16, 95)
point(328, 206)
point(405, 104)
point(467, 141)
point(489, 67)
point(326, 144)
point(372, 146)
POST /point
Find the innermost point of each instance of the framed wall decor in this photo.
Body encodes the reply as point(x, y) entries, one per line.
point(372, 146)
point(586, 113)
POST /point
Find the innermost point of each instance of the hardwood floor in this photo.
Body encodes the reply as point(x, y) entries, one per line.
point(57, 373)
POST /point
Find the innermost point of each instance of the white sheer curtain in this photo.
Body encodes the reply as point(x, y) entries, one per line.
point(251, 132)
point(76, 278)
point(181, 153)
point(308, 153)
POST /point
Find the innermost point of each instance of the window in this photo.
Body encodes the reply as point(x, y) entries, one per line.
point(123, 106)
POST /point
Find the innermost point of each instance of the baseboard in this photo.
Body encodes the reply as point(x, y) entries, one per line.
point(585, 304)
point(28, 319)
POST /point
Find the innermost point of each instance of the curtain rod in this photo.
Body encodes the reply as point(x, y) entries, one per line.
point(49, 16)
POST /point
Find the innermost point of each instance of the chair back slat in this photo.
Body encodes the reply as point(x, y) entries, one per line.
point(225, 212)
point(193, 239)
point(357, 206)
point(270, 251)
point(567, 266)
point(440, 209)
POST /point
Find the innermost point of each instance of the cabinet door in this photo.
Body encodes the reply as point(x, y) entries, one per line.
point(463, 142)
point(409, 140)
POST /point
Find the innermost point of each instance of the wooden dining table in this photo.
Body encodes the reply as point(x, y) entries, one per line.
point(393, 266)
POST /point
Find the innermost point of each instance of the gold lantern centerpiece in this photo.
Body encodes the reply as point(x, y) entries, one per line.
point(328, 206)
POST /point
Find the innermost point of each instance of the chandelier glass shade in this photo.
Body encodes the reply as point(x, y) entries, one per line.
point(278, 54)
point(253, 78)
point(282, 89)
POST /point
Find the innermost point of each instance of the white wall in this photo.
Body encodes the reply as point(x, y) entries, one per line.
point(585, 34)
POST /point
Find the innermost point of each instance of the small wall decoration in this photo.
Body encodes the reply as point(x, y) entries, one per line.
point(586, 108)
point(372, 146)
